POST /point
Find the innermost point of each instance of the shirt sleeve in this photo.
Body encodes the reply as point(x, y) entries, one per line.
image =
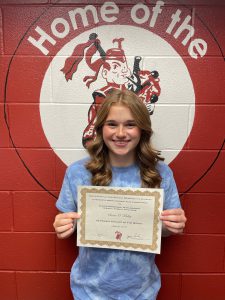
point(68, 196)
point(171, 196)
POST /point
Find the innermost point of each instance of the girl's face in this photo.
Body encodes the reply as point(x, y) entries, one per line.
point(121, 135)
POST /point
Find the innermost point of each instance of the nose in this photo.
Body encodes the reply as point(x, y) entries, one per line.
point(124, 69)
point(120, 132)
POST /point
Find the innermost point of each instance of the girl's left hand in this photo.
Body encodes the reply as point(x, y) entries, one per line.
point(173, 220)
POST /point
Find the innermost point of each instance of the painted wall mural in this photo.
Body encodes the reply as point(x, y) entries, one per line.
point(60, 58)
point(79, 64)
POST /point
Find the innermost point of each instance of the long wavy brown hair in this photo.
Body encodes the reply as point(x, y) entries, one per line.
point(146, 156)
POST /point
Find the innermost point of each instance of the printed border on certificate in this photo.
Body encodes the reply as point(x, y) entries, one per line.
point(100, 196)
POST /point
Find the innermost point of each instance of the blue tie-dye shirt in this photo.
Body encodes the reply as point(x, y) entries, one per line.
point(103, 274)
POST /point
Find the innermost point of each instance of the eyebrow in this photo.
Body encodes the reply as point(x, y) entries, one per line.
point(127, 121)
point(115, 63)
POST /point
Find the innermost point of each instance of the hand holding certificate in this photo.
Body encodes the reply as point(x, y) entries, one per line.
point(120, 218)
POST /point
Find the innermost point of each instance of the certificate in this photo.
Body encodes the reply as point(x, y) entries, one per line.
point(120, 218)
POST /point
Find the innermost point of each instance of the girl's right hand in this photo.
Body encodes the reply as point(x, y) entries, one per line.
point(65, 224)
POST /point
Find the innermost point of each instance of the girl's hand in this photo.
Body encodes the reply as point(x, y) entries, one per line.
point(173, 221)
point(65, 224)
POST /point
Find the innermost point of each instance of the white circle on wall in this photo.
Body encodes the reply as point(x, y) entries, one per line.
point(64, 104)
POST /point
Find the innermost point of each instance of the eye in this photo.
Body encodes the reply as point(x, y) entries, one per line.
point(111, 124)
point(131, 125)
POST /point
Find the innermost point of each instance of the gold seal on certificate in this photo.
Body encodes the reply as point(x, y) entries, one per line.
point(120, 218)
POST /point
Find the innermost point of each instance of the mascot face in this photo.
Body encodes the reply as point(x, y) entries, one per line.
point(116, 72)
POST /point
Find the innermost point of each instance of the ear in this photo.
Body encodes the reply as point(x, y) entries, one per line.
point(104, 73)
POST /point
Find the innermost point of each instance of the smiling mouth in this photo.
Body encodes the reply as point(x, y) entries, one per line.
point(120, 142)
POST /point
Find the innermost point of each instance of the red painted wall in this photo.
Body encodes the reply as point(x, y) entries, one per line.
point(33, 263)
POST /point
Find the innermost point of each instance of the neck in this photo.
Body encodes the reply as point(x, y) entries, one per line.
point(121, 161)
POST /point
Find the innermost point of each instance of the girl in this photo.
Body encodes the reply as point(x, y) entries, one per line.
point(121, 156)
